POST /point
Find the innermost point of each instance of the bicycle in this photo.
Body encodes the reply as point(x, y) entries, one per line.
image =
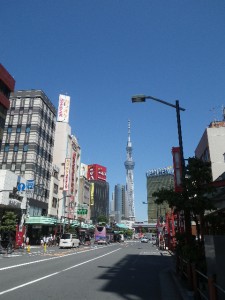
point(6, 247)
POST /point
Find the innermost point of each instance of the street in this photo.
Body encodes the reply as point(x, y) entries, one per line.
point(129, 270)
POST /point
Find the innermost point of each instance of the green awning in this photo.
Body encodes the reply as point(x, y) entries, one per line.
point(121, 226)
point(41, 220)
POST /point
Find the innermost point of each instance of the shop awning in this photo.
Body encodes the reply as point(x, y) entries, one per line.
point(41, 220)
point(121, 226)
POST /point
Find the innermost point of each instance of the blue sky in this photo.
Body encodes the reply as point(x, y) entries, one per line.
point(101, 52)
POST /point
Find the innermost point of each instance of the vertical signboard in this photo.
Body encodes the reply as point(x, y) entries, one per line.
point(92, 187)
point(63, 108)
point(66, 175)
point(177, 169)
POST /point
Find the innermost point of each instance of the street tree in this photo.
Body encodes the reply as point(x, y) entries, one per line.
point(102, 219)
point(9, 221)
point(196, 196)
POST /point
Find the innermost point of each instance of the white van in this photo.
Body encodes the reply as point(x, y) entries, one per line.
point(69, 240)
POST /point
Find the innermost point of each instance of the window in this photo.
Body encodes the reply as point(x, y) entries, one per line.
point(21, 110)
point(13, 167)
point(23, 167)
point(25, 147)
point(55, 189)
point(54, 202)
point(30, 110)
point(12, 111)
point(9, 129)
point(18, 129)
point(28, 128)
point(16, 147)
point(6, 148)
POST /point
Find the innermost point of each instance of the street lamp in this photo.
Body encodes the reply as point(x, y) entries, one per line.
point(142, 98)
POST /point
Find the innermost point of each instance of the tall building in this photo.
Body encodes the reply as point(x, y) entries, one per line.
point(7, 84)
point(99, 202)
point(28, 142)
point(66, 156)
point(156, 180)
point(119, 198)
point(211, 147)
point(129, 165)
point(99, 192)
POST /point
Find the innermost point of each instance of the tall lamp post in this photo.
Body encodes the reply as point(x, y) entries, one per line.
point(142, 98)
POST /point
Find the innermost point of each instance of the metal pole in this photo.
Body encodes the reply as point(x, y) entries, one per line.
point(186, 211)
point(180, 142)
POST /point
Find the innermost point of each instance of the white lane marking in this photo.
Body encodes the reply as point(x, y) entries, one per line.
point(56, 273)
point(46, 259)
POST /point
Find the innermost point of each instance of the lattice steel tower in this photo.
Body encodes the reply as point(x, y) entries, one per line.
point(129, 165)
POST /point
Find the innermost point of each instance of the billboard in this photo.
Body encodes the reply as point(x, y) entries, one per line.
point(96, 172)
point(83, 170)
point(66, 175)
point(63, 108)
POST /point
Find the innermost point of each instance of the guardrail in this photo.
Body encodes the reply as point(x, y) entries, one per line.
point(204, 286)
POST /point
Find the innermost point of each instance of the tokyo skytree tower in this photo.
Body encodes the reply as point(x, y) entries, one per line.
point(129, 165)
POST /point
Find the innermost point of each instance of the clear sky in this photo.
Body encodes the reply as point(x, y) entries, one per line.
point(101, 52)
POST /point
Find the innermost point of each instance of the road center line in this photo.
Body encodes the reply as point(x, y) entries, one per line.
point(56, 273)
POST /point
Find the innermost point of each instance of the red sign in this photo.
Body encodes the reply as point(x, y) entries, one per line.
point(96, 172)
point(177, 166)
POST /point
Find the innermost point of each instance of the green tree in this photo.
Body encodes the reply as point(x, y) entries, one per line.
point(194, 200)
point(9, 221)
point(102, 219)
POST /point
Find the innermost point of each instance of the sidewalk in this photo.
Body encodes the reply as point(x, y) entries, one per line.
point(172, 286)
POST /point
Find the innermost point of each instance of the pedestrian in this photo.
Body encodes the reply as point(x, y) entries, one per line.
point(27, 240)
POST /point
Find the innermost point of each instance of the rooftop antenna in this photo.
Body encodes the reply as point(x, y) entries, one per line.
point(214, 113)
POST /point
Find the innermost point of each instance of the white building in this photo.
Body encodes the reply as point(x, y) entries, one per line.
point(66, 156)
point(211, 148)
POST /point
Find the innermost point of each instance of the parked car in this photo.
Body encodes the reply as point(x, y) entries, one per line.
point(144, 240)
point(69, 240)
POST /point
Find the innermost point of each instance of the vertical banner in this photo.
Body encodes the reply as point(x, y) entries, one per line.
point(92, 193)
point(177, 169)
point(63, 108)
point(66, 175)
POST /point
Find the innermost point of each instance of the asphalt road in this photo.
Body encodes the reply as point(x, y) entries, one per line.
point(130, 270)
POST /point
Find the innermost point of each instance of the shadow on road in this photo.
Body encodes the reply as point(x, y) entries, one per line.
point(137, 277)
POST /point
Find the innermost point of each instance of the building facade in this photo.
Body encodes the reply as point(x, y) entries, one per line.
point(119, 198)
point(99, 199)
point(211, 148)
point(156, 180)
point(66, 156)
point(27, 145)
point(7, 84)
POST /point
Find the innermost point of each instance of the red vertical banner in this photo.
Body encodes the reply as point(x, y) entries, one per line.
point(19, 236)
point(177, 166)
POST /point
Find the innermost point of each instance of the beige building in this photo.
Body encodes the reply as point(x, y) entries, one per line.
point(211, 147)
point(66, 156)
